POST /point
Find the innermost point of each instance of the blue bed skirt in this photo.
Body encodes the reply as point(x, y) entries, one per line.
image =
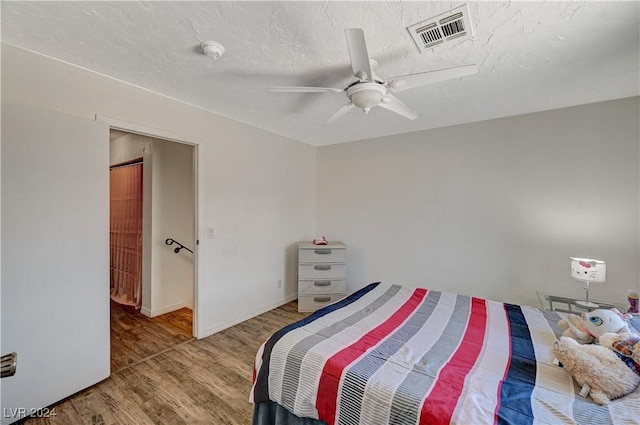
point(271, 413)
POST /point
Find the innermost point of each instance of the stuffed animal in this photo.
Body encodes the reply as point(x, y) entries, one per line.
point(572, 328)
point(597, 369)
point(587, 327)
point(600, 321)
point(626, 346)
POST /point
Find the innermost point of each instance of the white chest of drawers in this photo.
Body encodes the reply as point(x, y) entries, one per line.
point(322, 274)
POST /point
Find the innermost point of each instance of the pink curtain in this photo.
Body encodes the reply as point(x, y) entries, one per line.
point(126, 234)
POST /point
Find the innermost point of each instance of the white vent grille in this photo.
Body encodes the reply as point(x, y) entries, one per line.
point(452, 25)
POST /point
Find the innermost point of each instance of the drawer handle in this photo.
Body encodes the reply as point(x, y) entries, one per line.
point(322, 251)
point(322, 283)
point(322, 267)
point(322, 299)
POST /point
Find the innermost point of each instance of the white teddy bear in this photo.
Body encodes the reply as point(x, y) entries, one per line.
point(605, 371)
point(598, 370)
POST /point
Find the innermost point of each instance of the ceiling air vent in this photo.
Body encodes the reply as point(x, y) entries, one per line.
point(452, 25)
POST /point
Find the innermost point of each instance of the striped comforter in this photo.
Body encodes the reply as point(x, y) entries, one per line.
point(390, 354)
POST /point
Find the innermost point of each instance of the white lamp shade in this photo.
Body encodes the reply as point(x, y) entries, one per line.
point(588, 270)
point(366, 99)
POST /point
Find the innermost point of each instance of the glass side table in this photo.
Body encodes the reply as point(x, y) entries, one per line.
point(568, 304)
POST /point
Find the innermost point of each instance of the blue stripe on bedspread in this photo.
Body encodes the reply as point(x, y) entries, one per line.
point(515, 394)
point(262, 381)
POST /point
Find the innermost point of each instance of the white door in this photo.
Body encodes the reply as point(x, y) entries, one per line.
point(55, 258)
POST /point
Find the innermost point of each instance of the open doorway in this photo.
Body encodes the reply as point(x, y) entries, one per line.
point(152, 290)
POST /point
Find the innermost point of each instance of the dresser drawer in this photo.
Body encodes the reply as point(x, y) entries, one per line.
point(314, 302)
point(322, 255)
point(322, 287)
point(321, 271)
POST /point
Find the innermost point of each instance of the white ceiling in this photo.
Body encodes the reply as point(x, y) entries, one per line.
point(531, 56)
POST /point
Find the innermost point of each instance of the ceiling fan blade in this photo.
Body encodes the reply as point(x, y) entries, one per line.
point(288, 89)
point(342, 111)
point(392, 103)
point(358, 53)
point(404, 82)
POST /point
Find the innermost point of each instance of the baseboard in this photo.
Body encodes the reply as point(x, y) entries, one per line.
point(234, 322)
point(162, 310)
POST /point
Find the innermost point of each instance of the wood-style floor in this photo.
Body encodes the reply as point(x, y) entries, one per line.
point(135, 336)
point(203, 381)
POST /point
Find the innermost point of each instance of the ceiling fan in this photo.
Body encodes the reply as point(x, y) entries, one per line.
point(370, 90)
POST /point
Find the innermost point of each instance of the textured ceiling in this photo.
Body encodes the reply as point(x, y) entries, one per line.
point(531, 56)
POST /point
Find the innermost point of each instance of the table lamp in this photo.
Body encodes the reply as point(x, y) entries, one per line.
point(588, 270)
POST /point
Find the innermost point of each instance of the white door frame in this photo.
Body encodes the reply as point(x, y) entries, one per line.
point(198, 144)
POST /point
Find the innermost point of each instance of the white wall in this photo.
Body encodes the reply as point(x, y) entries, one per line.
point(494, 208)
point(173, 216)
point(259, 188)
point(127, 148)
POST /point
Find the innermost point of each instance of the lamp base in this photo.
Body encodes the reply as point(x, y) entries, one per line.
point(587, 304)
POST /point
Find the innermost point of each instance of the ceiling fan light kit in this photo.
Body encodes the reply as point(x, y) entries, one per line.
point(370, 90)
point(366, 95)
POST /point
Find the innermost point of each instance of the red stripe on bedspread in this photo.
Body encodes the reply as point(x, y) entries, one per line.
point(438, 406)
point(333, 369)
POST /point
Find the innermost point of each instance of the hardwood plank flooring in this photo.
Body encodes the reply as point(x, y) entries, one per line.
point(203, 381)
point(135, 336)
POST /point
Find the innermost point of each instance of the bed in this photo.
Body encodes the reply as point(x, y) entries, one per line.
point(398, 355)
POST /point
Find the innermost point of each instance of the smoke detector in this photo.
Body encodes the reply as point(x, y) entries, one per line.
point(212, 49)
point(441, 29)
